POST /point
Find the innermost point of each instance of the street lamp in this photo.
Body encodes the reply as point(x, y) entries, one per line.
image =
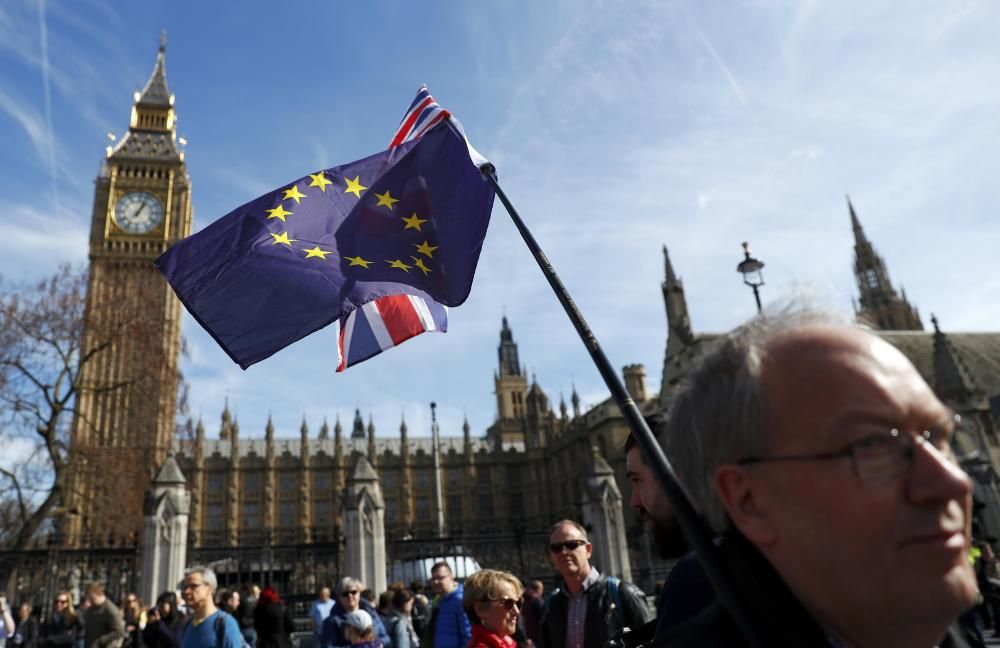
point(750, 268)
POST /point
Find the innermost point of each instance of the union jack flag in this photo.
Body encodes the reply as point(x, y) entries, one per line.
point(388, 321)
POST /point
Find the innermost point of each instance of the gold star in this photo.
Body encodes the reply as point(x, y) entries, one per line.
point(294, 193)
point(282, 238)
point(426, 249)
point(319, 180)
point(316, 252)
point(278, 212)
point(398, 264)
point(354, 186)
point(358, 261)
point(420, 264)
point(413, 222)
point(386, 199)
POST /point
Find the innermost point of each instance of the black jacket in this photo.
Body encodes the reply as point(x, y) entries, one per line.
point(164, 633)
point(273, 623)
point(777, 615)
point(27, 630)
point(60, 632)
point(602, 620)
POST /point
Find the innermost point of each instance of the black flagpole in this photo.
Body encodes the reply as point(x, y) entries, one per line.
point(697, 532)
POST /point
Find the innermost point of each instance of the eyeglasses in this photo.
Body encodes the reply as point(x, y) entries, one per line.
point(350, 593)
point(508, 603)
point(569, 545)
point(885, 455)
point(190, 586)
point(62, 601)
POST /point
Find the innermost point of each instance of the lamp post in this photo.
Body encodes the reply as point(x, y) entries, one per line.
point(750, 268)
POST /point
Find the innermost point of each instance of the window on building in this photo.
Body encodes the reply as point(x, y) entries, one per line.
point(421, 479)
point(454, 508)
point(513, 473)
point(287, 482)
point(483, 475)
point(322, 513)
point(252, 483)
point(423, 509)
point(287, 515)
point(321, 482)
point(391, 509)
point(250, 518)
point(216, 482)
point(485, 505)
point(516, 505)
point(213, 517)
point(389, 479)
point(871, 278)
point(453, 478)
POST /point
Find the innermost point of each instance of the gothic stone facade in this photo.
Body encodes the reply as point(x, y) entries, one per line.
point(526, 472)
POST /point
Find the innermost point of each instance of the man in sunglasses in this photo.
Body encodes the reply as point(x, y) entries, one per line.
point(589, 608)
point(825, 462)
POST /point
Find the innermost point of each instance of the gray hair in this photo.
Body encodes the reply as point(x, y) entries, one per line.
point(347, 584)
point(719, 415)
point(207, 575)
point(567, 522)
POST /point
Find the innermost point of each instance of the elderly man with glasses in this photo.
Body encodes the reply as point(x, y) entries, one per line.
point(334, 632)
point(825, 462)
point(209, 627)
point(589, 608)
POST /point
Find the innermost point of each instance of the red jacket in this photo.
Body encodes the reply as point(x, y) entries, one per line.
point(484, 638)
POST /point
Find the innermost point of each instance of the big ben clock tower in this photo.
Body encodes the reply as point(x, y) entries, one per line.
point(124, 420)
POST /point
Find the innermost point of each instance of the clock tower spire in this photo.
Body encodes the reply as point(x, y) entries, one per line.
point(124, 420)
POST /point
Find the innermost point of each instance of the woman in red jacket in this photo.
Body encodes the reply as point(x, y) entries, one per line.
point(492, 599)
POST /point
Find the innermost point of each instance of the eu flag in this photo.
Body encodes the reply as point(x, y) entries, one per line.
point(410, 220)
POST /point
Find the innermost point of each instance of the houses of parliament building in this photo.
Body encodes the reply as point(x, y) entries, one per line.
point(251, 485)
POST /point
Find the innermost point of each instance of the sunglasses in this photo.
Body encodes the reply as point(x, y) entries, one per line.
point(62, 601)
point(508, 603)
point(569, 545)
point(350, 593)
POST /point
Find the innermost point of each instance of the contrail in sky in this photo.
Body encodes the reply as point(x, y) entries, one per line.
point(50, 136)
point(733, 84)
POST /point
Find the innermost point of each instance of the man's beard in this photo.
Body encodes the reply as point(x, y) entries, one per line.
point(668, 537)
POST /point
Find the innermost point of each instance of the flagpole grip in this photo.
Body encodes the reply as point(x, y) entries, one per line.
point(698, 534)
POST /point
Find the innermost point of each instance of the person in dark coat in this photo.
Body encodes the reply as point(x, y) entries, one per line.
point(589, 608)
point(272, 620)
point(62, 629)
point(26, 630)
point(164, 623)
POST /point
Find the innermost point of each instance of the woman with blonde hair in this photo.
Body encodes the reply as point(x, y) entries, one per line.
point(492, 599)
point(62, 628)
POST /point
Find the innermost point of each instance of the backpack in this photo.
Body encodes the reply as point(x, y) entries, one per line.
point(616, 598)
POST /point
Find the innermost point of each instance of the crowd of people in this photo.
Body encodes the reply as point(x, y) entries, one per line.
point(819, 459)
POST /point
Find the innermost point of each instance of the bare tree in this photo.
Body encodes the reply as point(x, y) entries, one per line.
point(44, 355)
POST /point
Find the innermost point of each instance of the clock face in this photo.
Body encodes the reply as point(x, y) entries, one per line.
point(138, 212)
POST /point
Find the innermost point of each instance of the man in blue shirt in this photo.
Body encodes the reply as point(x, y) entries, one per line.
point(209, 627)
point(320, 610)
point(451, 625)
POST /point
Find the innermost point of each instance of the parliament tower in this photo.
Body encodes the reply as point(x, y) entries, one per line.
point(124, 419)
point(880, 305)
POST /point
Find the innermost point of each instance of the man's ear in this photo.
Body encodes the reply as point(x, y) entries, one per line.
point(741, 497)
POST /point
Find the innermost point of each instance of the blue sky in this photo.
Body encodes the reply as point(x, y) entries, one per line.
point(616, 128)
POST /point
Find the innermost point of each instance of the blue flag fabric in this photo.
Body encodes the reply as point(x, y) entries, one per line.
point(410, 220)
